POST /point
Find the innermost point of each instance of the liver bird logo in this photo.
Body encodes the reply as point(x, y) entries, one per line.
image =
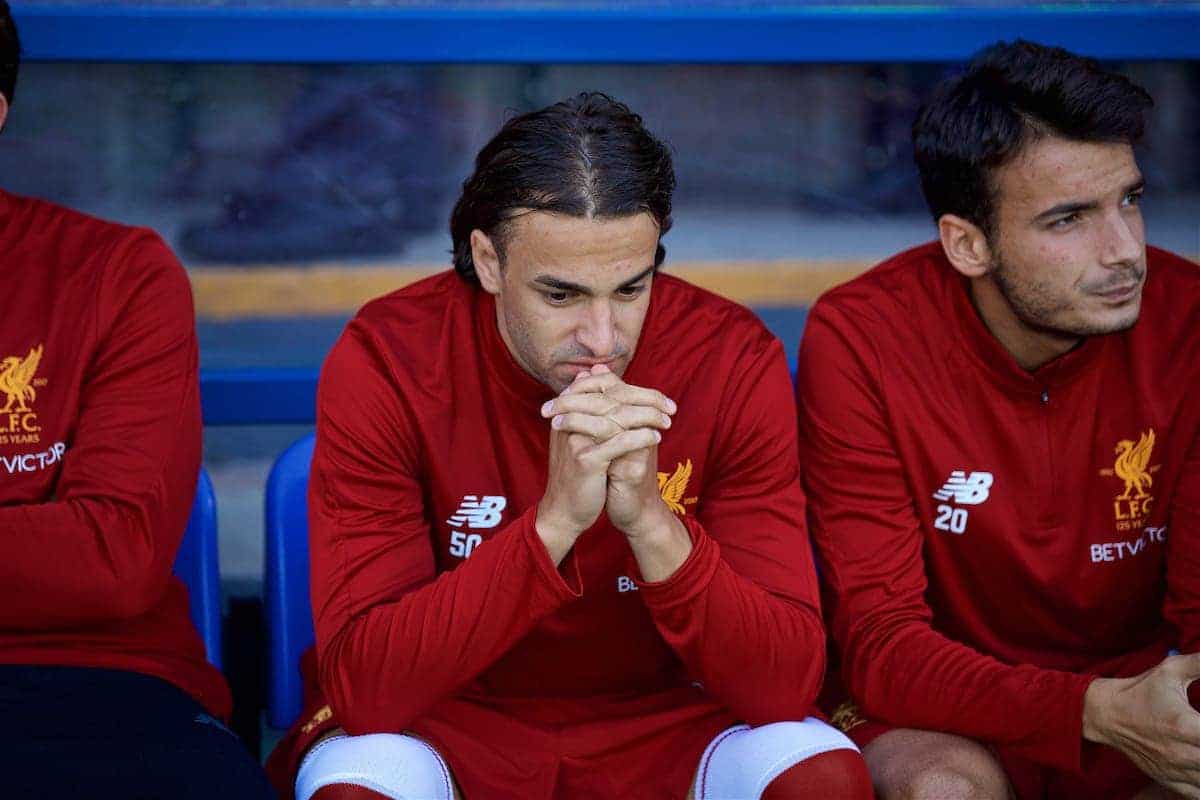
point(16, 379)
point(846, 717)
point(672, 486)
point(1132, 464)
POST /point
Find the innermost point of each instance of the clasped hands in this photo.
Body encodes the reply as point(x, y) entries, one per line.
point(604, 436)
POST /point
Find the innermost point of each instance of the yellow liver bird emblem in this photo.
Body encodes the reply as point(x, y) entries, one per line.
point(16, 379)
point(846, 717)
point(1132, 464)
point(672, 486)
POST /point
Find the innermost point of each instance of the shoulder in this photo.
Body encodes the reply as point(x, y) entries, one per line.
point(1172, 283)
point(1169, 321)
point(413, 326)
point(708, 352)
point(84, 260)
point(688, 318)
point(891, 291)
point(415, 312)
point(900, 306)
point(32, 225)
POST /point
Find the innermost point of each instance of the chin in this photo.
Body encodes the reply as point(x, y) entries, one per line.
point(1110, 321)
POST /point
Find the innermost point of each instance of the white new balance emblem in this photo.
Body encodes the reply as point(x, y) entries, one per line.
point(474, 512)
point(962, 489)
point(966, 490)
point(478, 513)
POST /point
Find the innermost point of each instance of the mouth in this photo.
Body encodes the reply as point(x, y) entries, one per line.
point(1120, 294)
point(608, 362)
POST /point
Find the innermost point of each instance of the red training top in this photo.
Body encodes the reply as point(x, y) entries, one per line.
point(429, 580)
point(993, 538)
point(99, 449)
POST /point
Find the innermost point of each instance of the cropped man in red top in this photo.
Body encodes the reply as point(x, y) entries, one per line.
point(1000, 439)
point(558, 543)
point(104, 686)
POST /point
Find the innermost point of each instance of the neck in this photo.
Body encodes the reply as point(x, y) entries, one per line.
point(1031, 347)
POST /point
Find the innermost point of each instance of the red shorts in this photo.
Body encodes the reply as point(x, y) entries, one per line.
point(1107, 774)
point(644, 746)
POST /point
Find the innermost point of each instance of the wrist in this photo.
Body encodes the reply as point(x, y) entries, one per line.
point(556, 533)
point(655, 520)
point(1098, 702)
point(661, 547)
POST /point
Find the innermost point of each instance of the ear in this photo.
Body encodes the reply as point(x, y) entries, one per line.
point(965, 245)
point(486, 259)
point(3, 111)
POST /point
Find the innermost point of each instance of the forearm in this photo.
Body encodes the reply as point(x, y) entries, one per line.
point(660, 545)
point(80, 561)
point(759, 654)
point(97, 542)
point(909, 675)
point(382, 668)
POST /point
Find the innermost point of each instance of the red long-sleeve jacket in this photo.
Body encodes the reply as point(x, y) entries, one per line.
point(991, 538)
point(429, 580)
point(99, 448)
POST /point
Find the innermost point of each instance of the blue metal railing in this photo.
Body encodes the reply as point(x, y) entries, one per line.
point(658, 32)
point(258, 396)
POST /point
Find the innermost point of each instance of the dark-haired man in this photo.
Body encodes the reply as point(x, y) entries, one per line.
point(1001, 445)
point(104, 686)
point(557, 531)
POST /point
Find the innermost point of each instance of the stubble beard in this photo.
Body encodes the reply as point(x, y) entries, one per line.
point(1038, 309)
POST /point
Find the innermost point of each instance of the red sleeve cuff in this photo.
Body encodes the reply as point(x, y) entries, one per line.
point(563, 583)
point(1064, 748)
point(693, 575)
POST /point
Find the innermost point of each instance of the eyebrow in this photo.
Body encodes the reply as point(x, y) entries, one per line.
point(1062, 209)
point(566, 286)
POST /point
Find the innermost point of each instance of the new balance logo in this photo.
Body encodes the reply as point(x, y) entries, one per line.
point(965, 490)
point(475, 512)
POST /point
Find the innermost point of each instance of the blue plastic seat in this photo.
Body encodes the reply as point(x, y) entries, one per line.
point(285, 581)
point(197, 566)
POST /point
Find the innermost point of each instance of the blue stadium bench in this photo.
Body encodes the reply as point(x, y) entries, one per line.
point(196, 565)
point(285, 581)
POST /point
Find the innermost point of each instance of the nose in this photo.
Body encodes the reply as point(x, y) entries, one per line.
point(597, 331)
point(1124, 240)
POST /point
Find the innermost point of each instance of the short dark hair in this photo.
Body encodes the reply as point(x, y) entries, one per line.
point(1013, 93)
point(588, 156)
point(10, 53)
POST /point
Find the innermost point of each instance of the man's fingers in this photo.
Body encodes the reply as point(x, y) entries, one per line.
point(577, 397)
point(599, 405)
point(592, 382)
point(1189, 790)
point(605, 427)
point(621, 444)
point(608, 383)
point(592, 403)
point(598, 429)
point(1185, 728)
point(641, 396)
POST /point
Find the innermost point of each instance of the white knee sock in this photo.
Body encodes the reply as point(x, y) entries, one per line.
point(397, 766)
point(742, 761)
